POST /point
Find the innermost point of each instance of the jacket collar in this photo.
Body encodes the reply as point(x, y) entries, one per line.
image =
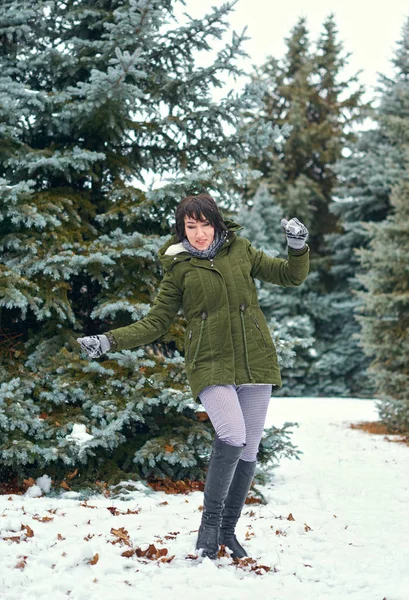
point(173, 248)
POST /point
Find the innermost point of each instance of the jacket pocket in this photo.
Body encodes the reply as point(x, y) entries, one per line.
point(191, 342)
point(260, 332)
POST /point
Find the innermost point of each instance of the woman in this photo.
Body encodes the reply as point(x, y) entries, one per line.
point(230, 359)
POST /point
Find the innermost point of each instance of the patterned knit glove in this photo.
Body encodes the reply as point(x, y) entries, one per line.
point(296, 233)
point(95, 345)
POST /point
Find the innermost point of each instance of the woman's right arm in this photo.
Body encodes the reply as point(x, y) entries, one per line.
point(157, 322)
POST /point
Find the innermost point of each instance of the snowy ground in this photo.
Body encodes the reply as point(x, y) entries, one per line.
point(348, 497)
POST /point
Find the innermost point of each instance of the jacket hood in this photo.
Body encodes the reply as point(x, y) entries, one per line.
point(173, 246)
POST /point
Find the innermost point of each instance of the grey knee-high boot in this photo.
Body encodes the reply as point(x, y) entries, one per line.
point(222, 465)
point(233, 505)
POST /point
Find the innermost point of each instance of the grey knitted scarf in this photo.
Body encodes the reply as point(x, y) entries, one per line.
point(211, 251)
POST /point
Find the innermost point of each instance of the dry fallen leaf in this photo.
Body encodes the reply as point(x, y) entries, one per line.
point(22, 563)
point(281, 532)
point(290, 517)
point(27, 483)
point(94, 560)
point(29, 531)
point(72, 475)
point(122, 536)
point(43, 519)
point(202, 416)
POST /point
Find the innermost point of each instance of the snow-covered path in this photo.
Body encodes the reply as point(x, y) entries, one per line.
point(348, 497)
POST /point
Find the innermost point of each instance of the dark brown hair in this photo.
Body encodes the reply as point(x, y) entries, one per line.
point(196, 207)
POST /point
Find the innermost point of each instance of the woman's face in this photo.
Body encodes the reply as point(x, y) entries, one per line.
point(199, 233)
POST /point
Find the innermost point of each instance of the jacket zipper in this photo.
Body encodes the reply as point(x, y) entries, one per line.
point(261, 333)
point(189, 344)
point(243, 307)
point(204, 317)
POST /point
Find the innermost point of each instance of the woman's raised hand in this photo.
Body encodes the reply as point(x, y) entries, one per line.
point(296, 233)
point(95, 345)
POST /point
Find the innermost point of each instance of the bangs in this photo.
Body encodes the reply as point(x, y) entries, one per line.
point(196, 210)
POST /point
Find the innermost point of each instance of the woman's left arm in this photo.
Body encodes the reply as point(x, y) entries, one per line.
point(290, 272)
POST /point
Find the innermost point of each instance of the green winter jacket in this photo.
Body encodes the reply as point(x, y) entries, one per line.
point(227, 340)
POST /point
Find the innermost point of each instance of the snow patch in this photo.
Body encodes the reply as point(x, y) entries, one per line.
point(79, 435)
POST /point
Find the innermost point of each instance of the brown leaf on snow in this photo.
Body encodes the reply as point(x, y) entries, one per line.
point(249, 564)
point(169, 486)
point(167, 559)
point(115, 511)
point(222, 553)
point(171, 535)
point(148, 552)
point(128, 553)
point(22, 563)
point(122, 535)
point(13, 538)
point(290, 517)
point(307, 527)
point(29, 531)
point(94, 560)
point(43, 519)
point(65, 486)
point(253, 500)
point(60, 537)
point(87, 505)
point(153, 553)
point(281, 532)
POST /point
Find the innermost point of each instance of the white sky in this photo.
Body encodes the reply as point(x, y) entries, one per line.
point(368, 30)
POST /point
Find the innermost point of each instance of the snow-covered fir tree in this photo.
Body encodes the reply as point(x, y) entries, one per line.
point(385, 309)
point(306, 91)
point(366, 176)
point(107, 121)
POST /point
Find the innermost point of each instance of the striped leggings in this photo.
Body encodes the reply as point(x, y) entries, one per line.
point(238, 414)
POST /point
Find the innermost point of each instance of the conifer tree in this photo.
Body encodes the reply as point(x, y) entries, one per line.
point(107, 121)
point(307, 92)
point(385, 310)
point(366, 177)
